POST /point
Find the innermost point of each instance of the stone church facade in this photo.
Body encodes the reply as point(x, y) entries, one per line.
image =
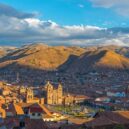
point(54, 96)
point(50, 95)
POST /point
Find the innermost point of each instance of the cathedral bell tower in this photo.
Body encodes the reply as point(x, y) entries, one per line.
point(49, 88)
point(60, 94)
point(29, 95)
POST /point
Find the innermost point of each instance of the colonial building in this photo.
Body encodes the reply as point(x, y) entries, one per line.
point(68, 100)
point(31, 99)
point(2, 113)
point(50, 95)
point(22, 90)
point(54, 96)
point(29, 96)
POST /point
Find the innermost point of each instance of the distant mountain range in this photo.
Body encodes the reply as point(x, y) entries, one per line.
point(41, 56)
point(77, 58)
point(5, 50)
point(64, 59)
point(99, 60)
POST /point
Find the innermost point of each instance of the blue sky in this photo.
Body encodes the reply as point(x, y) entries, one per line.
point(64, 22)
point(71, 12)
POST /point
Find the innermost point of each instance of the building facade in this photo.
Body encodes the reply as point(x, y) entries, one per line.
point(54, 96)
point(29, 95)
point(31, 99)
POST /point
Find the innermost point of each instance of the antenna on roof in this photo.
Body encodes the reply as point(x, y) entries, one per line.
point(17, 78)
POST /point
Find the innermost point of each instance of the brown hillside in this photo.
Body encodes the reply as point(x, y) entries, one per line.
point(41, 56)
point(2, 52)
point(101, 60)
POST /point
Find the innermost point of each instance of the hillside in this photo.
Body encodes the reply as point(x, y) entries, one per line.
point(99, 60)
point(5, 50)
point(37, 63)
point(2, 52)
point(41, 56)
point(73, 59)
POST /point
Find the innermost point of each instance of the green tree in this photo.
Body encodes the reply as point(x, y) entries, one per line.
point(119, 127)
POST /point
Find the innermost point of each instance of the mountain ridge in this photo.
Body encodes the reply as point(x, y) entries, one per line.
point(99, 60)
point(42, 56)
point(38, 63)
point(56, 57)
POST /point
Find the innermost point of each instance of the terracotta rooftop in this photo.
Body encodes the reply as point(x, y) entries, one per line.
point(71, 127)
point(35, 124)
point(18, 109)
point(36, 109)
point(101, 121)
point(25, 104)
point(109, 118)
point(45, 110)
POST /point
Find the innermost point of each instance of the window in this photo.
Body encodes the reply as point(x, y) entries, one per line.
point(33, 114)
point(26, 112)
point(22, 124)
point(39, 114)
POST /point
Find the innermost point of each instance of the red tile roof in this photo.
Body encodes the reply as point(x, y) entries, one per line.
point(109, 118)
point(35, 124)
point(36, 109)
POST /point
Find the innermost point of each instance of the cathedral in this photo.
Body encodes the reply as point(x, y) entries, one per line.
point(29, 95)
point(31, 99)
point(48, 95)
point(54, 96)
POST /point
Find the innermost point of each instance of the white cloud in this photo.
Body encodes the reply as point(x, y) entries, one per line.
point(119, 6)
point(30, 29)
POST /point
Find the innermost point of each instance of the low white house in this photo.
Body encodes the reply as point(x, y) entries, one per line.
point(116, 94)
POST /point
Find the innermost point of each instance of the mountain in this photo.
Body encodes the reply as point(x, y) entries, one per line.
point(35, 64)
point(100, 60)
point(70, 59)
point(41, 56)
point(5, 50)
point(118, 49)
point(2, 52)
